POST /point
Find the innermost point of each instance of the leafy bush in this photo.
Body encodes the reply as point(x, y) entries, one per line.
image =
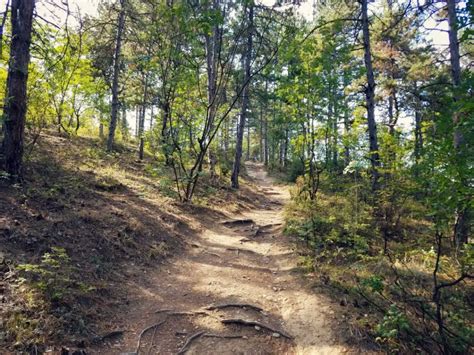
point(392, 325)
point(374, 283)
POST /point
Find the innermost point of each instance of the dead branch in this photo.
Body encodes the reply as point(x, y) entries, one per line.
point(254, 323)
point(240, 305)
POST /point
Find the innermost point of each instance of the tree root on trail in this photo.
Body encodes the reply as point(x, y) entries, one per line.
point(142, 333)
point(111, 335)
point(213, 254)
point(254, 323)
point(163, 310)
point(171, 312)
point(203, 334)
point(271, 225)
point(220, 336)
point(188, 342)
point(239, 250)
point(240, 305)
point(238, 222)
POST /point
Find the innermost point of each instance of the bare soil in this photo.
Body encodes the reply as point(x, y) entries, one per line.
point(233, 260)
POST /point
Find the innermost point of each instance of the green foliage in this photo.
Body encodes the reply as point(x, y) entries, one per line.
point(52, 276)
point(392, 326)
point(295, 169)
point(374, 283)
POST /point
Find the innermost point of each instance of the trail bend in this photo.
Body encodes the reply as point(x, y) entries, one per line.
point(242, 259)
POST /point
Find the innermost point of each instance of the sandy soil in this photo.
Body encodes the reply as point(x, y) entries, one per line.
point(242, 259)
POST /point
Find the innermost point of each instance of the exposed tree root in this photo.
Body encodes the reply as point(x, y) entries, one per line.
point(142, 333)
point(203, 334)
point(221, 336)
point(163, 310)
point(254, 323)
point(108, 336)
point(239, 250)
point(213, 254)
point(240, 305)
point(238, 222)
point(271, 225)
point(171, 312)
point(189, 341)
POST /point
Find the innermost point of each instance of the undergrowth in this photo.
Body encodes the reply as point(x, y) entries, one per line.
point(383, 271)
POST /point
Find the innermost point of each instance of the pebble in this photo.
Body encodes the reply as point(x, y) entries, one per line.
point(257, 327)
point(276, 335)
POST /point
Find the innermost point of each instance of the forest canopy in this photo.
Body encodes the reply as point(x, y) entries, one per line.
point(350, 102)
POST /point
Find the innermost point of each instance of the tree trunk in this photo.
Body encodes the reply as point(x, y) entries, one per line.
point(141, 123)
point(226, 138)
point(248, 142)
point(213, 43)
point(245, 101)
point(347, 153)
point(418, 136)
point(370, 99)
point(347, 125)
point(151, 117)
point(2, 27)
point(101, 129)
point(16, 96)
point(124, 123)
point(115, 80)
point(265, 132)
point(335, 133)
point(260, 146)
point(463, 213)
point(137, 120)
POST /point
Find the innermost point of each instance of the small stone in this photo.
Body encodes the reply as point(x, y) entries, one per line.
point(257, 327)
point(276, 335)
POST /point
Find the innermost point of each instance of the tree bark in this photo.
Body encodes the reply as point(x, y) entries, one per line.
point(213, 44)
point(141, 123)
point(115, 80)
point(265, 132)
point(124, 123)
point(260, 145)
point(245, 100)
point(370, 98)
point(16, 97)
point(248, 142)
point(463, 213)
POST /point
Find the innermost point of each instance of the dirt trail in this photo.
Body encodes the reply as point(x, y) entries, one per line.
point(243, 259)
